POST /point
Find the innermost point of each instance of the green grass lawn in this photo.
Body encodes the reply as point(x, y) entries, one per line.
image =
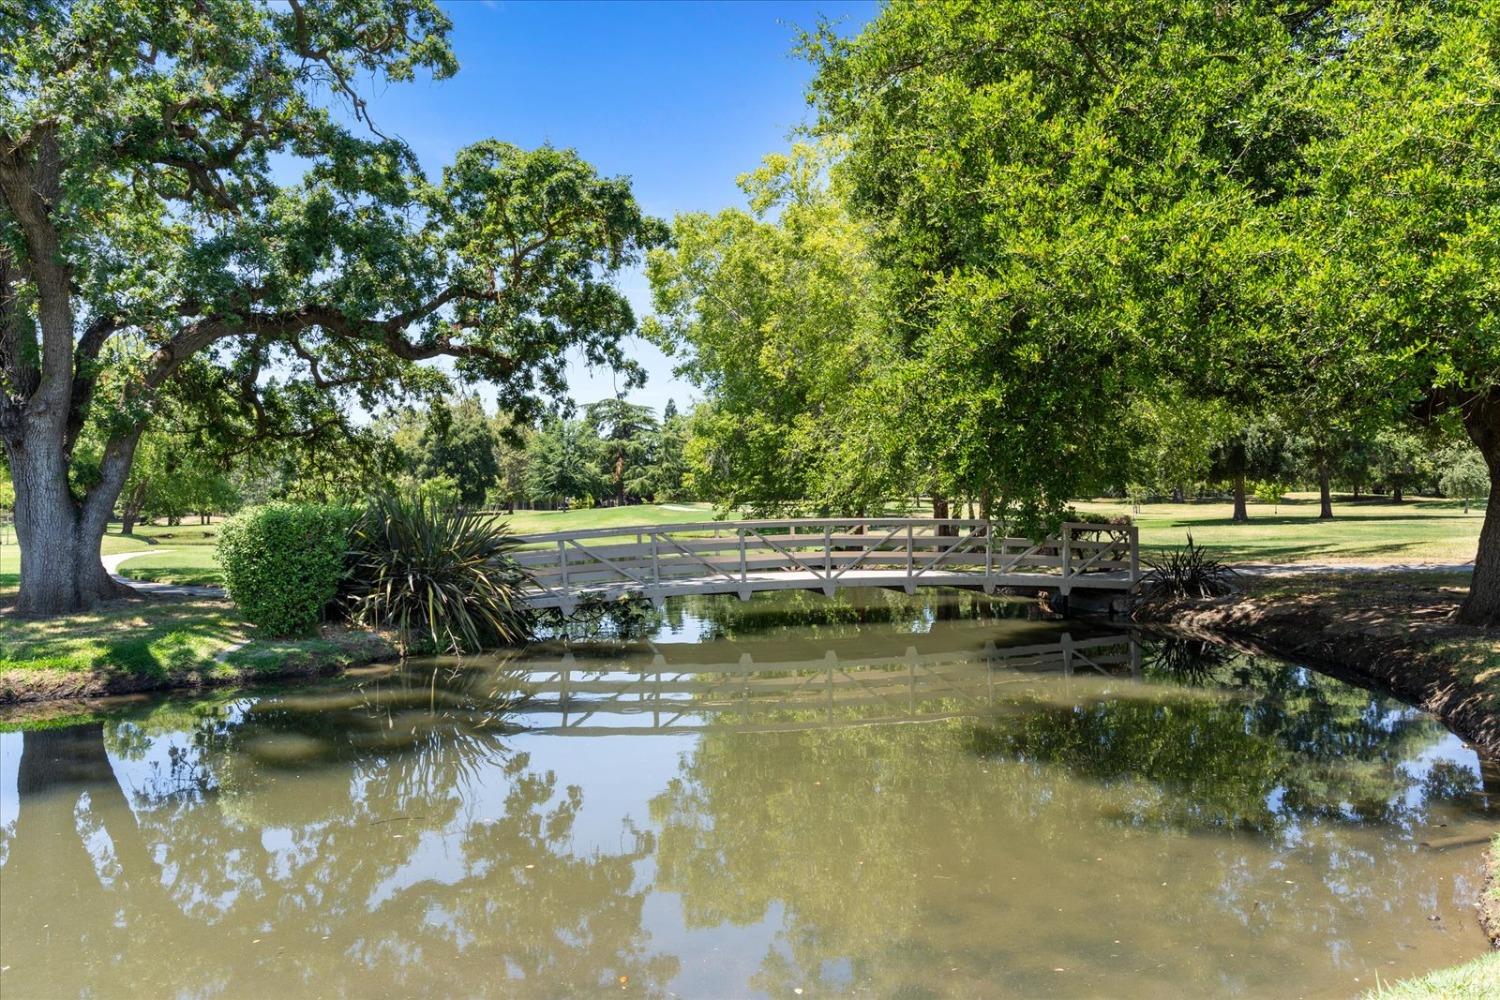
point(189, 564)
point(529, 522)
point(1414, 531)
point(1476, 980)
point(152, 641)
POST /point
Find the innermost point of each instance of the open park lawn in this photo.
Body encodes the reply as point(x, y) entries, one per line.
point(530, 522)
point(1370, 531)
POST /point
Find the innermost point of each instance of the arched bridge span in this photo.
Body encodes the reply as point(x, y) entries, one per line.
point(742, 557)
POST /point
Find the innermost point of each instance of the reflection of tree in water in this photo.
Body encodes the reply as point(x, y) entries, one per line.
point(878, 844)
point(368, 840)
point(1288, 744)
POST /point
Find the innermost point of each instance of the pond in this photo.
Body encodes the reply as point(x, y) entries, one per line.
point(873, 794)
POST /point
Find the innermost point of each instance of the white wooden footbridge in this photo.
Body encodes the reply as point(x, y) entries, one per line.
point(742, 557)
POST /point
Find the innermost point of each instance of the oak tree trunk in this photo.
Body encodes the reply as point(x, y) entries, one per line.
point(1241, 513)
point(1482, 607)
point(58, 535)
point(1325, 493)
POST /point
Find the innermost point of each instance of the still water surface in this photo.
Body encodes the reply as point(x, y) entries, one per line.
point(876, 795)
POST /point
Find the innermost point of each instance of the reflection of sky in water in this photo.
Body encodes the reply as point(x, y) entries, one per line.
point(997, 842)
point(10, 762)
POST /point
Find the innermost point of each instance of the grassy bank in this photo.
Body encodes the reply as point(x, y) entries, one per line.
point(1476, 980)
point(139, 645)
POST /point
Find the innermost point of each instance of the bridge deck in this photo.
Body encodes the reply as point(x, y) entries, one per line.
point(661, 561)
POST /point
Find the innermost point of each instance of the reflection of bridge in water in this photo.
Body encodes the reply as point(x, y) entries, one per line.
point(743, 557)
point(672, 694)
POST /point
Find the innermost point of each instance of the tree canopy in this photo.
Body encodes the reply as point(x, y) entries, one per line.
point(146, 244)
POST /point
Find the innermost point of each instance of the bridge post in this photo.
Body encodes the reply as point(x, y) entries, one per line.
point(989, 558)
point(911, 552)
point(1134, 536)
point(1065, 536)
point(562, 558)
point(655, 561)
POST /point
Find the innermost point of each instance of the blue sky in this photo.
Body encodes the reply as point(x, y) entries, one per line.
point(680, 97)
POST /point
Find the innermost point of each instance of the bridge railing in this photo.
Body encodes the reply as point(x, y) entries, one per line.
point(659, 561)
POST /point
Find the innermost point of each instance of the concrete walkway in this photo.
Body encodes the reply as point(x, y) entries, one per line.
point(112, 567)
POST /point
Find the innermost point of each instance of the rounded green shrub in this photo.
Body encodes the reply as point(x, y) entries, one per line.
point(282, 563)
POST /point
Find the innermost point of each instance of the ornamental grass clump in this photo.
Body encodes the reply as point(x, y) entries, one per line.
point(443, 580)
point(1187, 572)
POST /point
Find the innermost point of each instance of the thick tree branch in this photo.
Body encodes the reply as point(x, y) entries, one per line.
point(29, 181)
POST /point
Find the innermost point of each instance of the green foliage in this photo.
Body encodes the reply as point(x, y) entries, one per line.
point(1251, 449)
point(1462, 473)
point(1271, 491)
point(443, 580)
point(564, 461)
point(282, 563)
point(628, 434)
point(437, 492)
point(1403, 460)
point(452, 441)
point(774, 312)
point(1186, 572)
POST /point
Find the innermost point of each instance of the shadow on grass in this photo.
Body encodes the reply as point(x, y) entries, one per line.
point(1394, 550)
point(149, 641)
point(1284, 521)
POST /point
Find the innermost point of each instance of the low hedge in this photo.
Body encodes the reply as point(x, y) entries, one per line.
point(282, 563)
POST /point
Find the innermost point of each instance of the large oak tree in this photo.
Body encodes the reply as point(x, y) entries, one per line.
point(151, 243)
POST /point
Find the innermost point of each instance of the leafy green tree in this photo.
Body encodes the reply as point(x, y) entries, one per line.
point(1399, 201)
point(1063, 208)
point(1252, 451)
point(627, 433)
point(1462, 474)
point(772, 310)
point(665, 478)
point(1403, 461)
point(146, 245)
point(1175, 437)
point(511, 458)
point(563, 459)
point(457, 442)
